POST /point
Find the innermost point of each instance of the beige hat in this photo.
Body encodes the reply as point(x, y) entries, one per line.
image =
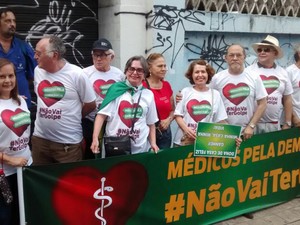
point(269, 41)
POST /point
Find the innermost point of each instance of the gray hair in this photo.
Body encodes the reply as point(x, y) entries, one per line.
point(243, 48)
point(56, 44)
point(112, 52)
point(142, 60)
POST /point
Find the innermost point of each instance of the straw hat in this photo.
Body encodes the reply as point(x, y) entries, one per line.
point(269, 41)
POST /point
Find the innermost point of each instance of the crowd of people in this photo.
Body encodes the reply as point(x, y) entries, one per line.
point(76, 107)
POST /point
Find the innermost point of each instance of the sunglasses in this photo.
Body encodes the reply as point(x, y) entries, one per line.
point(259, 50)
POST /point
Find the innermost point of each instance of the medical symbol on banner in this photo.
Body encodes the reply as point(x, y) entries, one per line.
point(86, 195)
point(99, 194)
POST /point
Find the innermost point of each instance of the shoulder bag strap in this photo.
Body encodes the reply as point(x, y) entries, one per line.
point(137, 105)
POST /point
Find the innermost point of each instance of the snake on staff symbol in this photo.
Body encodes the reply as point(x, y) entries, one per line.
point(106, 200)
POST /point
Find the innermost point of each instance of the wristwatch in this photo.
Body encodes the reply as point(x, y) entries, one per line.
point(252, 125)
point(288, 123)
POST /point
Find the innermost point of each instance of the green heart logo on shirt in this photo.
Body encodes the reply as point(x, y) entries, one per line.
point(271, 83)
point(236, 93)
point(126, 112)
point(198, 110)
point(51, 93)
point(17, 120)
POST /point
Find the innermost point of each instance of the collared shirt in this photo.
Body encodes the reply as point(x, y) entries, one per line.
point(24, 65)
point(262, 66)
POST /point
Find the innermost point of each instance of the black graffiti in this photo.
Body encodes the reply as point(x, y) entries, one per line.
point(221, 19)
point(134, 13)
point(67, 19)
point(174, 20)
point(166, 17)
point(169, 18)
point(212, 50)
point(20, 3)
point(62, 21)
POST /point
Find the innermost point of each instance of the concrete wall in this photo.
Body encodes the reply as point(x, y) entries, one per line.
point(142, 27)
point(184, 35)
point(123, 22)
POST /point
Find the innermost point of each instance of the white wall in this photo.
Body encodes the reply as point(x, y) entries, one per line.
point(124, 24)
point(184, 35)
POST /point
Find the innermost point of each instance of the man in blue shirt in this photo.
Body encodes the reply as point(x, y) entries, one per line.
point(18, 52)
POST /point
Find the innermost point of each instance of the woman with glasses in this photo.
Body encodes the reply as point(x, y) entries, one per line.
point(118, 108)
point(163, 95)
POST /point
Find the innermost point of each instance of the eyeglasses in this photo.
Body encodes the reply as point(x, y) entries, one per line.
point(102, 55)
point(259, 50)
point(139, 71)
point(38, 53)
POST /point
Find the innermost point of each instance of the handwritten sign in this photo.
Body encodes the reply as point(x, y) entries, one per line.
point(216, 140)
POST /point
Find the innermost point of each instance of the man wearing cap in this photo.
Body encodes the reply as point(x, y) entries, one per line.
point(244, 96)
point(102, 75)
point(294, 75)
point(277, 85)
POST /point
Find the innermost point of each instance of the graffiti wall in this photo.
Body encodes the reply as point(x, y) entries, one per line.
point(185, 35)
point(75, 21)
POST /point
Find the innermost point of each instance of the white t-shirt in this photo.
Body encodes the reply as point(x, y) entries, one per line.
point(294, 75)
point(277, 84)
point(60, 97)
point(239, 94)
point(196, 106)
point(101, 81)
point(119, 118)
point(14, 131)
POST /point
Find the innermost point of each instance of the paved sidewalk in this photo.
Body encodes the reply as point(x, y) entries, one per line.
point(286, 213)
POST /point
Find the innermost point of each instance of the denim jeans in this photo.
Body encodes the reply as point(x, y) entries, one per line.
point(164, 138)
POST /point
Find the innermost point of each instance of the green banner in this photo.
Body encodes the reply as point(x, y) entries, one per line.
point(216, 140)
point(172, 186)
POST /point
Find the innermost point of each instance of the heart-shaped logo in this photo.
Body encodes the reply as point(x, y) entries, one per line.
point(86, 196)
point(126, 112)
point(51, 93)
point(17, 120)
point(236, 93)
point(198, 110)
point(271, 83)
point(101, 87)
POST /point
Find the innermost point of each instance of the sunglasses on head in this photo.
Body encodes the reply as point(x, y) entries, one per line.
point(267, 49)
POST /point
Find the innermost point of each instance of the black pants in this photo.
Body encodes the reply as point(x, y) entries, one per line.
point(9, 214)
point(87, 129)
